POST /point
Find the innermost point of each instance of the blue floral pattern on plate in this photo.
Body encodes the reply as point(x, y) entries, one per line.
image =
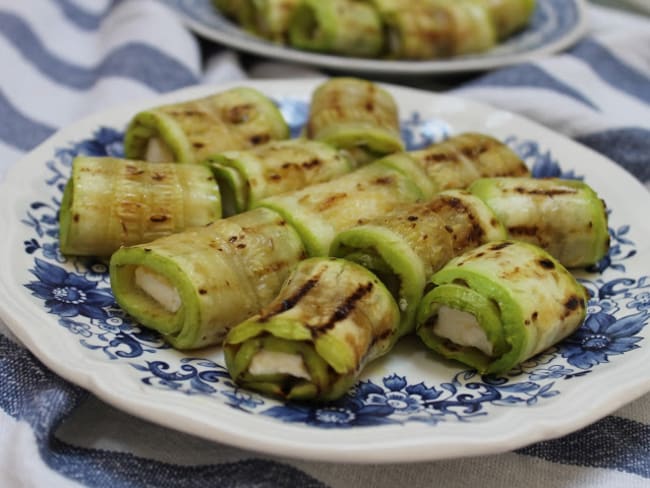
point(77, 292)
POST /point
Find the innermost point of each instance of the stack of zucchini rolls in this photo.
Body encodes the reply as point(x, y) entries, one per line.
point(307, 258)
point(393, 29)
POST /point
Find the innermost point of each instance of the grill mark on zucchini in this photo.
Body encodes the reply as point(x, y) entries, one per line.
point(239, 113)
point(473, 235)
point(546, 263)
point(292, 301)
point(551, 192)
point(345, 309)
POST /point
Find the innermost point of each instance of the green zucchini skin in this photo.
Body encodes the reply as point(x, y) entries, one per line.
point(223, 272)
point(345, 27)
point(111, 202)
point(320, 211)
point(565, 217)
point(464, 158)
point(274, 168)
point(193, 130)
point(524, 300)
point(509, 16)
point(355, 115)
point(431, 29)
point(412, 242)
point(269, 19)
point(336, 315)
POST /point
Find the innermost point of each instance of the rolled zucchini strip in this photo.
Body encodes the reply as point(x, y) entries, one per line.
point(429, 29)
point(321, 211)
point(500, 304)
point(346, 27)
point(245, 177)
point(355, 115)
point(331, 318)
point(462, 159)
point(412, 242)
point(269, 19)
point(565, 217)
point(110, 202)
point(509, 16)
point(189, 132)
point(193, 286)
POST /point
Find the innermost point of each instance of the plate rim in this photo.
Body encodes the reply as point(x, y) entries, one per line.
point(371, 66)
point(545, 429)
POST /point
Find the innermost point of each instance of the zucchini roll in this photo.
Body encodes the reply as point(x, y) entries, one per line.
point(320, 211)
point(409, 244)
point(331, 318)
point(356, 115)
point(269, 19)
point(345, 27)
point(429, 29)
point(500, 304)
point(193, 286)
point(189, 132)
point(110, 202)
point(564, 217)
point(462, 159)
point(247, 176)
point(509, 16)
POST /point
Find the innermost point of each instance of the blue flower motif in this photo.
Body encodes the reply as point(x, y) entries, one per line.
point(641, 302)
point(242, 400)
point(552, 372)
point(345, 413)
point(78, 328)
point(542, 162)
point(31, 246)
point(605, 305)
point(601, 336)
point(400, 397)
point(67, 294)
point(51, 251)
point(105, 142)
point(418, 133)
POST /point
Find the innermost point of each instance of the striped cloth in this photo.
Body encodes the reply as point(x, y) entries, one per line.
point(63, 59)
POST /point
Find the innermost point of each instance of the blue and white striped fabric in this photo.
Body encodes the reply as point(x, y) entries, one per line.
point(63, 59)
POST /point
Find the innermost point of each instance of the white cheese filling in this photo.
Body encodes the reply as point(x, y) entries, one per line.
point(158, 151)
point(273, 362)
point(158, 287)
point(462, 328)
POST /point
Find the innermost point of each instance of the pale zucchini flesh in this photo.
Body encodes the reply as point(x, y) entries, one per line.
point(111, 202)
point(191, 131)
point(522, 298)
point(223, 272)
point(355, 115)
point(412, 242)
point(247, 176)
point(319, 212)
point(565, 217)
point(460, 160)
point(330, 319)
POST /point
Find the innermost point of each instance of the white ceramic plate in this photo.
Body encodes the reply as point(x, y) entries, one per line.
point(408, 406)
point(556, 24)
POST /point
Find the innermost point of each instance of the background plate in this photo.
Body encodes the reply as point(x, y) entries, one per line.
point(556, 25)
point(408, 406)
